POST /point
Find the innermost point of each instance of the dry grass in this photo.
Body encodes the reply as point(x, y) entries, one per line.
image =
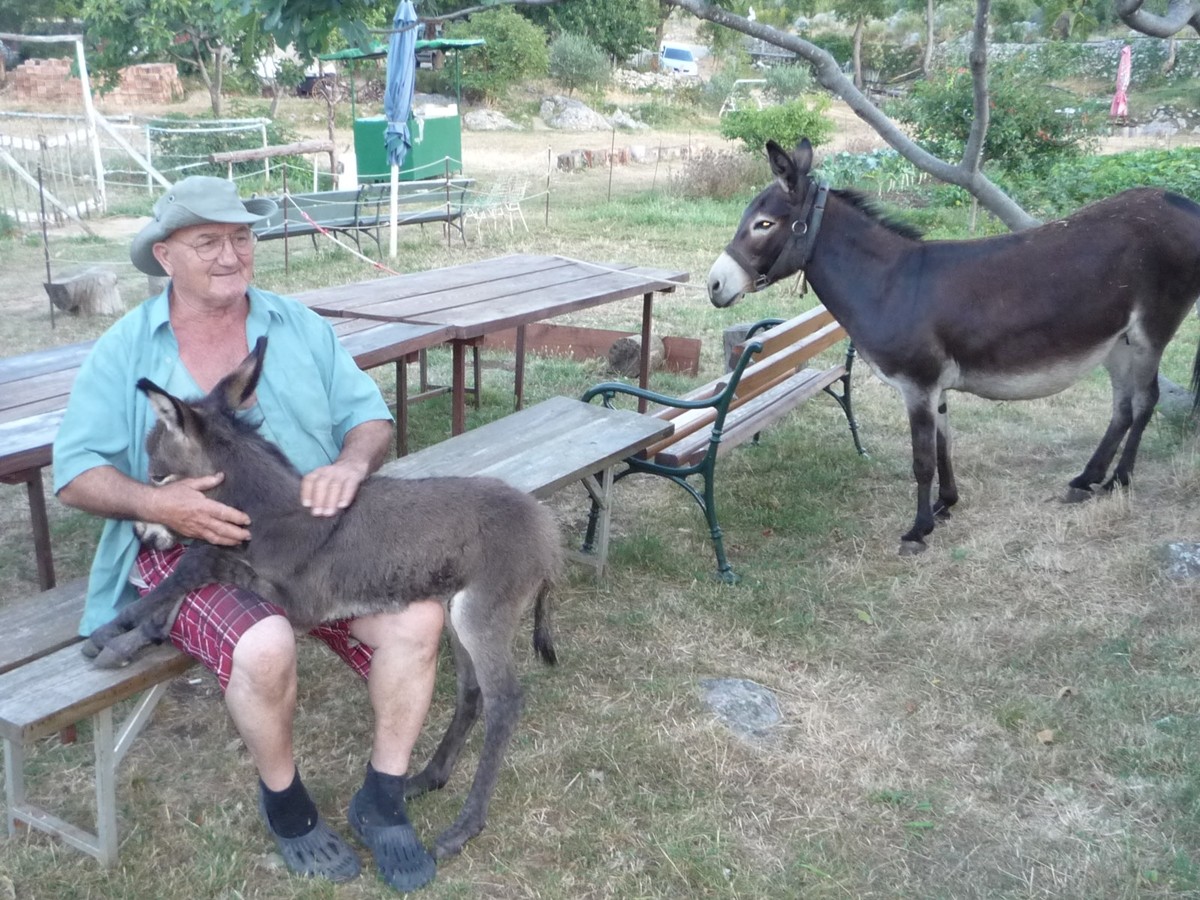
point(914, 690)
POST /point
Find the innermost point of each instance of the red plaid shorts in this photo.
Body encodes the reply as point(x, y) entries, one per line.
point(213, 619)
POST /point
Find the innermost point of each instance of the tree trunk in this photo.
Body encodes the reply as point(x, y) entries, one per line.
point(625, 355)
point(92, 292)
point(927, 56)
point(858, 36)
point(1168, 65)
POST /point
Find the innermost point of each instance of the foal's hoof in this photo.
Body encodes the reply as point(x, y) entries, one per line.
point(1078, 495)
point(110, 659)
point(912, 548)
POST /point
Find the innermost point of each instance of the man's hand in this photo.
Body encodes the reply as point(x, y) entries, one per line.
point(330, 489)
point(183, 507)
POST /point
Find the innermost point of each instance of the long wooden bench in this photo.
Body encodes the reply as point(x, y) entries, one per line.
point(770, 379)
point(366, 209)
point(47, 684)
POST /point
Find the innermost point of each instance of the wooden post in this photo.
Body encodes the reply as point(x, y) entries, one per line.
point(611, 151)
point(90, 113)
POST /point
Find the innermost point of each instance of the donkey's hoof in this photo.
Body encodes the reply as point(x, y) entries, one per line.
point(912, 548)
point(1078, 495)
point(89, 649)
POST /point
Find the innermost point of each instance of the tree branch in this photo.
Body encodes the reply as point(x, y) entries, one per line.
point(973, 151)
point(829, 76)
point(1180, 14)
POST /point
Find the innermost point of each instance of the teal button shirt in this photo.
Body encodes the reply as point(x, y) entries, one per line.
point(310, 395)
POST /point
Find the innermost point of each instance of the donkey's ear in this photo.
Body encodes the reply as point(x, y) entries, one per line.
point(803, 155)
point(238, 386)
point(783, 167)
point(173, 413)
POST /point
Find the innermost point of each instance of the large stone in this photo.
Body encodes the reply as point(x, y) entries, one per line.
point(567, 114)
point(745, 707)
point(1183, 559)
point(488, 120)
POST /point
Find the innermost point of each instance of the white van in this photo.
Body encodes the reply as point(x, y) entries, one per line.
point(677, 60)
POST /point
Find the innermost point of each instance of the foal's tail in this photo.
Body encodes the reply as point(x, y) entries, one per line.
point(543, 641)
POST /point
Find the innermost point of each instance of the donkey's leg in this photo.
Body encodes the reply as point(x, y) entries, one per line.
point(947, 487)
point(923, 425)
point(1144, 399)
point(486, 626)
point(1126, 365)
point(467, 703)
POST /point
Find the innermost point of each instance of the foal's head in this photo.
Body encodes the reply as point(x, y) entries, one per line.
point(202, 437)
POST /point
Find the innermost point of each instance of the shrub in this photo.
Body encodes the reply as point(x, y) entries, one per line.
point(514, 51)
point(784, 124)
point(720, 175)
point(714, 91)
point(883, 171)
point(1077, 182)
point(1027, 133)
point(787, 82)
point(575, 62)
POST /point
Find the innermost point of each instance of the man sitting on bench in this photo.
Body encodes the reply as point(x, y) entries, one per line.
point(330, 420)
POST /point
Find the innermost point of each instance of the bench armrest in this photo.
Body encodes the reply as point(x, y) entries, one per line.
point(762, 325)
point(608, 390)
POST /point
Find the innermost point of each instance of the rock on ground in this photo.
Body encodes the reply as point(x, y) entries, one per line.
point(567, 114)
point(488, 120)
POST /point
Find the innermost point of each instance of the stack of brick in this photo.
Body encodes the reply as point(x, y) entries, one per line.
point(148, 84)
point(42, 81)
point(49, 81)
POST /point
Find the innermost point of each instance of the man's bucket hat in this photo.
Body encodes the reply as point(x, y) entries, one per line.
point(196, 200)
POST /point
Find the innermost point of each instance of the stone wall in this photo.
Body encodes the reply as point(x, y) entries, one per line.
point(50, 81)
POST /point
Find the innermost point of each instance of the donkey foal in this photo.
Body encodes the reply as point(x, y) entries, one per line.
point(487, 549)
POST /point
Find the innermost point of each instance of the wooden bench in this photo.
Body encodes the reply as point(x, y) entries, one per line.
point(770, 378)
point(366, 208)
point(46, 684)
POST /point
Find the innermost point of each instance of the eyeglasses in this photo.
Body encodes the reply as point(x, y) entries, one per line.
point(210, 247)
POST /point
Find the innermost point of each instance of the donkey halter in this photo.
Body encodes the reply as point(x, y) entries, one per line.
point(798, 251)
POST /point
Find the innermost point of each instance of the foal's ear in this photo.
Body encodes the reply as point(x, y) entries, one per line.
point(174, 414)
point(238, 386)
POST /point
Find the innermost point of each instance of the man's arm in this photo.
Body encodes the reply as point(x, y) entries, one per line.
point(329, 489)
point(180, 505)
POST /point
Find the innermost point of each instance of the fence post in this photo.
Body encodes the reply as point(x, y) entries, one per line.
point(90, 112)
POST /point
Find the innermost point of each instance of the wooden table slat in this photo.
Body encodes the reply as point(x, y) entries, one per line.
point(41, 362)
point(540, 448)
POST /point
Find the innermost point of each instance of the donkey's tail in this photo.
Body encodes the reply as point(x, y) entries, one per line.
point(543, 641)
point(1196, 383)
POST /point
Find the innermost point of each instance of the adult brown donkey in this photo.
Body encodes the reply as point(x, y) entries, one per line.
point(1008, 318)
point(488, 550)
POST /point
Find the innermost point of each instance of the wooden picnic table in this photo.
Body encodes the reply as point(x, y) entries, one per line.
point(486, 296)
point(34, 388)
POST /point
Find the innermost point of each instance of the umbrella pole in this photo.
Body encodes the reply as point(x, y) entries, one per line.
point(393, 211)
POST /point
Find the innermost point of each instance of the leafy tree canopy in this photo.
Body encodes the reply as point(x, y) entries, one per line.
point(618, 27)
